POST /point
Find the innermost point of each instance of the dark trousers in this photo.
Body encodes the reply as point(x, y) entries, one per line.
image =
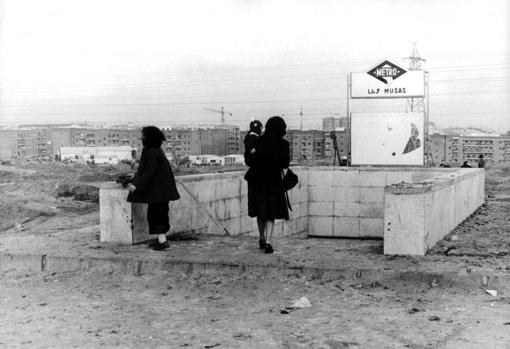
point(157, 217)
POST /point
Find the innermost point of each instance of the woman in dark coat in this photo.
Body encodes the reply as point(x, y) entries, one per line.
point(154, 184)
point(272, 157)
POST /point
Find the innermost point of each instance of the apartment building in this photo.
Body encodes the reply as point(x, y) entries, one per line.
point(45, 142)
point(95, 137)
point(457, 149)
point(221, 140)
point(181, 142)
point(7, 143)
point(441, 149)
point(306, 145)
point(105, 136)
point(233, 134)
point(496, 149)
point(32, 144)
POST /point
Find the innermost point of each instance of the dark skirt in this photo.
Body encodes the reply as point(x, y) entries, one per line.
point(157, 217)
point(266, 202)
point(252, 203)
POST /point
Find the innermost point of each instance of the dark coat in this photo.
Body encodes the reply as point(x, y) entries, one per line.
point(251, 141)
point(154, 179)
point(272, 156)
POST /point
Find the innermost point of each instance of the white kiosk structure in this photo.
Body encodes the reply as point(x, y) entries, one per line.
point(388, 139)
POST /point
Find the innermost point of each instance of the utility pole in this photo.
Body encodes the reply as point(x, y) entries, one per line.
point(417, 105)
point(444, 157)
point(415, 63)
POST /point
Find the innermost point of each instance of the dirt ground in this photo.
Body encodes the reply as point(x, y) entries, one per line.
point(487, 232)
point(30, 193)
point(162, 311)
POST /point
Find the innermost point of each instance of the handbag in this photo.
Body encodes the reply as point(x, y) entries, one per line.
point(290, 180)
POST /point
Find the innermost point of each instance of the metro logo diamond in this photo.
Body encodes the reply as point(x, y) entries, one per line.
point(386, 70)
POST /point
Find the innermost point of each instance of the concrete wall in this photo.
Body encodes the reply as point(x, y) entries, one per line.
point(114, 214)
point(410, 208)
point(349, 201)
point(417, 215)
point(210, 204)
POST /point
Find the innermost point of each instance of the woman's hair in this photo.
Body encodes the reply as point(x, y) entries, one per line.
point(153, 137)
point(275, 127)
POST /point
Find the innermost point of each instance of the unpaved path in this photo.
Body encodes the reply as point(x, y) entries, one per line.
point(175, 311)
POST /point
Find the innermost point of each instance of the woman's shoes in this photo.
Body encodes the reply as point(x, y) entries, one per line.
point(263, 245)
point(158, 246)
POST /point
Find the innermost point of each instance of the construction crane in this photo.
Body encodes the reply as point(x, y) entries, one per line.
point(222, 112)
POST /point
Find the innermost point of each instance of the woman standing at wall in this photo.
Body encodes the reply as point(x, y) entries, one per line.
point(154, 184)
point(272, 157)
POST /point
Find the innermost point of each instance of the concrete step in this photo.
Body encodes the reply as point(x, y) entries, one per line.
point(359, 277)
point(357, 261)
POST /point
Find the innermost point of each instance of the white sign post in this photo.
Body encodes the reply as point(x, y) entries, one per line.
point(369, 132)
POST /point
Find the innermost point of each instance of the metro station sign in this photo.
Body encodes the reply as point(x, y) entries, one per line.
point(388, 80)
point(386, 70)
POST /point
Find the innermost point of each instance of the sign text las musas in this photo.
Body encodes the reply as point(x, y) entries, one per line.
point(386, 91)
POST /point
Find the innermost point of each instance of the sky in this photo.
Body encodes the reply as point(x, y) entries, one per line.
point(166, 62)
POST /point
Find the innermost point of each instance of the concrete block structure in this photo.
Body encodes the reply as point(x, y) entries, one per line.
point(410, 208)
point(418, 215)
